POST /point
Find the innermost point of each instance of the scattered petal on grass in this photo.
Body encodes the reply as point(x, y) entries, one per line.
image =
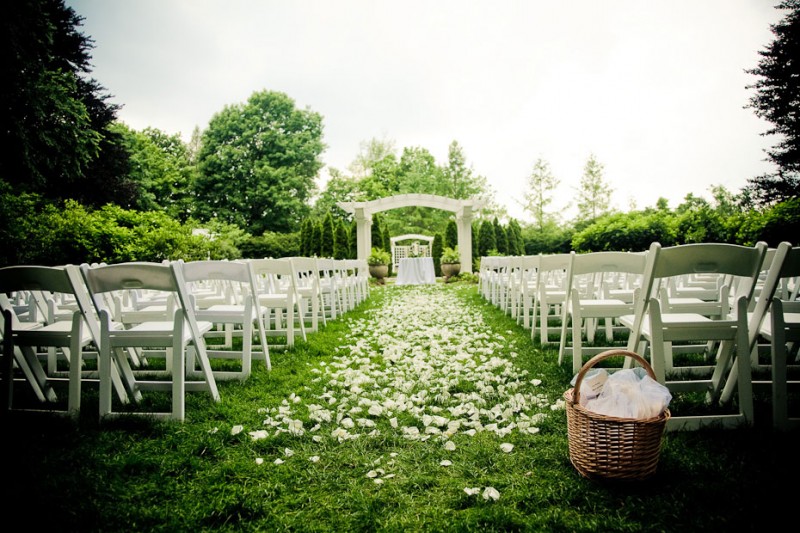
point(507, 447)
point(490, 493)
point(213, 430)
point(235, 430)
point(259, 434)
point(445, 462)
point(450, 446)
point(259, 460)
point(388, 476)
point(378, 481)
point(472, 491)
point(278, 461)
point(372, 473)
point(288, 452)
point(314, 458)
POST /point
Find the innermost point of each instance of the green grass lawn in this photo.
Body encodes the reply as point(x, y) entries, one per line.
point(425, 409)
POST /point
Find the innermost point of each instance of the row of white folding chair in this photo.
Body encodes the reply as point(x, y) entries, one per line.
point(75, 338)
point(600, 285)
point(224, 293)
point(278, 295)
point(177, 336)
point(774, 330)
point(107, 340)
point(550, 294)
point(654, 330)
point(142, 303)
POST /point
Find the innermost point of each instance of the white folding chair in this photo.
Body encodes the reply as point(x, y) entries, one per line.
point(239, 314)
point(310, 305)
point(551, 293)
point(591, 279)
point(651, 327)
point(276, 280)
point(75, 338)
point(526, 288)
point(775, 320)
point(180, 336)
point(331, 287)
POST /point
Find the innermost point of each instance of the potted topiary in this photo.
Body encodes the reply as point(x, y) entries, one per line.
point(450, 262)
point(378, 262)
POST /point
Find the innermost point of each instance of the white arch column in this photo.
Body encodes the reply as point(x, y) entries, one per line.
point(464, 227)
point(363, 232)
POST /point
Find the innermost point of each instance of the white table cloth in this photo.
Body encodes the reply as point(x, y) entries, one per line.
point(415, 271)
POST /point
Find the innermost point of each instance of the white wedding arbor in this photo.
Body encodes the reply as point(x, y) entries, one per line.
point(464, 209)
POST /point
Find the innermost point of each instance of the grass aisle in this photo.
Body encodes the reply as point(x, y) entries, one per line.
point(426, 409)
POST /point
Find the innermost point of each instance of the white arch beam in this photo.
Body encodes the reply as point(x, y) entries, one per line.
point(464, 209)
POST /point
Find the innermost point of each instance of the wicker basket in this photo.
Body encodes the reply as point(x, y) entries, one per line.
point(606, 447)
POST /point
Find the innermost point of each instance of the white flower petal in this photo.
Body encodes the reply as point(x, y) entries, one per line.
point(235, 430)
point(507, 447)
point(490, 493)
point(445, 462)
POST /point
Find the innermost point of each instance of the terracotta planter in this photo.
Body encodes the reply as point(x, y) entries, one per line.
point(379, 272)
point(450, 269)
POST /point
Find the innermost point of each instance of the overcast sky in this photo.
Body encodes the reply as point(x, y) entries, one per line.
point(655, 90)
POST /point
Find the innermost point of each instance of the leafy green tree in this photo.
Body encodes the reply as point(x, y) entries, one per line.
point(777, 99)
point(160, 166)
point(630, 232)
point(594, 194)
point(328, 236)
point(553, 239)
point(487, 240)
point(451, 234)
point(258, 162)
point(339, 188)
point(697, 221)
point(538, 193)
point(272, 244)
point(370, 154)
point(54, 119)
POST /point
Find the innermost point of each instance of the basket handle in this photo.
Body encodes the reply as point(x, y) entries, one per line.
point(605, 355)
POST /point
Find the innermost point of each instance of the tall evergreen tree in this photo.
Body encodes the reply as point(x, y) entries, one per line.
point(342, 242)
point(777, 99)
point(316, 238)
point(436, 253)
point(306, 235)
point(328, 236)
point(377, 232)
point(594, 194)
point(451, 234)
point(353, 239)
point(487, 241)
point(54, 118)
point(538, 194)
